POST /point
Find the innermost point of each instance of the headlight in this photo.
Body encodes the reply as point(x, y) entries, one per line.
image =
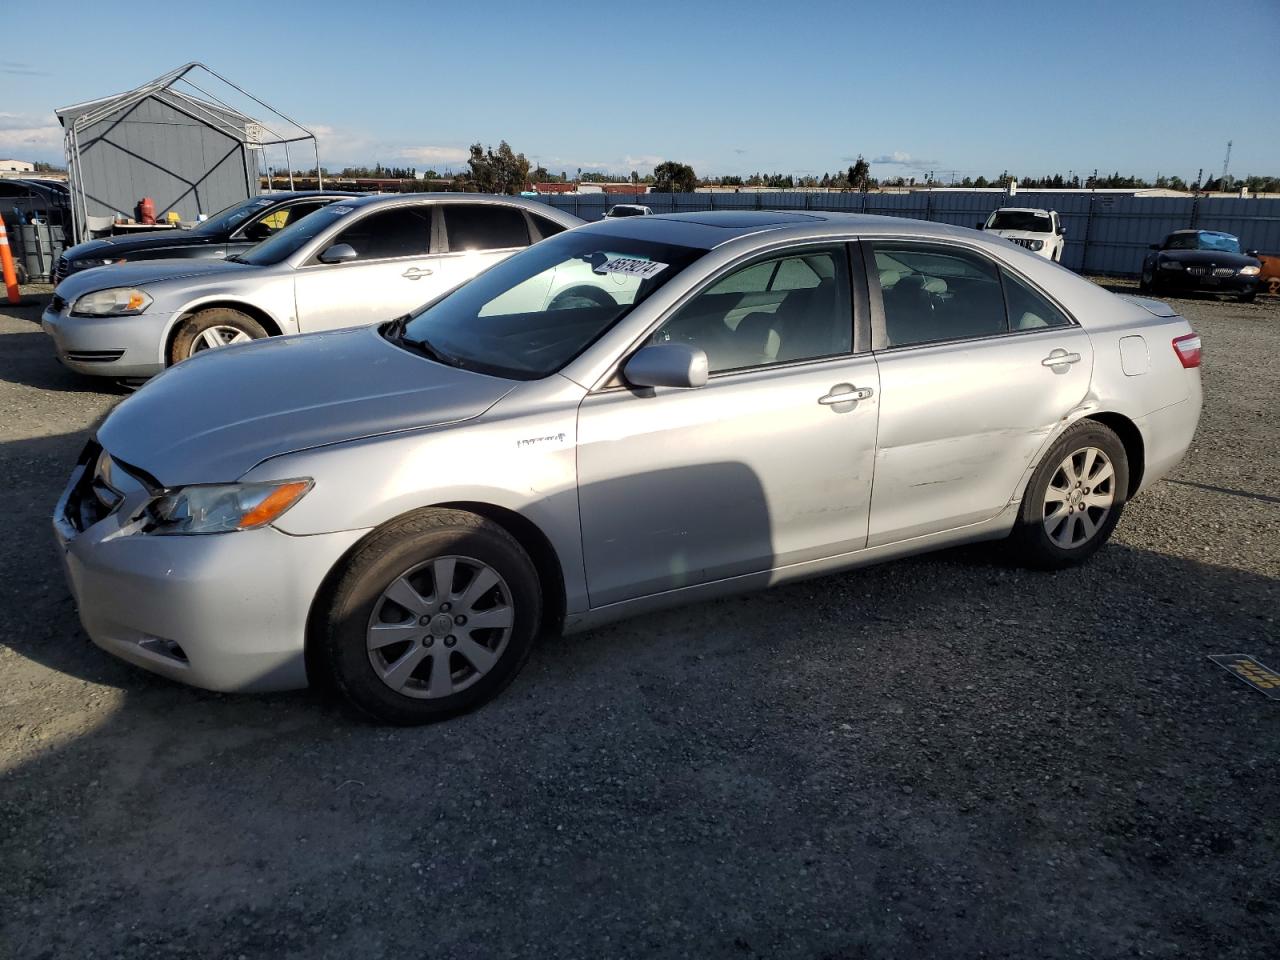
point(116, 302)
point(220, 508)
point(1250, 271)
point(86, 264)
point(1170, 265)
point(1037, 244)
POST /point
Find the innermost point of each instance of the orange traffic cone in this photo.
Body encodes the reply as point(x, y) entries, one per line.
point(6, 265)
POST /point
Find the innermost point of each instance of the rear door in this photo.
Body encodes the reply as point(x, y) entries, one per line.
point(394, 272)
point(977, 367)
point(474, 236)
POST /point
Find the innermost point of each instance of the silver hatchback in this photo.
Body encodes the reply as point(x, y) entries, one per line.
point(628, 415)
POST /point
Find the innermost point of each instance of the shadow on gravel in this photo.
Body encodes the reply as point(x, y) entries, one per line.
point(30, 360)
point(935, 757)
point(1260, 497)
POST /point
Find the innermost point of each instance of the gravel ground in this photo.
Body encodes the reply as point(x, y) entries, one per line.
point(940, 757)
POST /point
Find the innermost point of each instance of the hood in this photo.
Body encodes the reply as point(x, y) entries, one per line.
point(214, 417)
point(141, 273)
point(1209, 257)
point(122, 246)
point(1046, 236)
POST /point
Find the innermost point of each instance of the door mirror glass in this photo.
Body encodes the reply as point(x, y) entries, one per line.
point(1062, 231)
point(339, 253)
point(667, 365)
point(1251, 253)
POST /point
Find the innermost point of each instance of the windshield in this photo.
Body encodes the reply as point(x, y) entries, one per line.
point(293, 237)
point(224, 221)
point(1221, 242)
point(1028, 220)
point(534, 312)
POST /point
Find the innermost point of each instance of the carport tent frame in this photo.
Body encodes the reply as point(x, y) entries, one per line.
point(213, 111)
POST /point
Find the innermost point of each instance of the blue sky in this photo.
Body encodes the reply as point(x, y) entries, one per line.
point(729, 88)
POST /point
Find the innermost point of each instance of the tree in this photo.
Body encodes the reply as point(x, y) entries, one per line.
point(860, 175)
point(504, 171)
point(672, 177)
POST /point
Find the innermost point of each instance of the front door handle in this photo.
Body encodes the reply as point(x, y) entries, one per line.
point(416, 273)
point(1060, 357)
point(845, 393)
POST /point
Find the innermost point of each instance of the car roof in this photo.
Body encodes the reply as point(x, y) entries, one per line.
point(297, 194)
point(712, 229)
point(1022, 210)
point(1212, 233)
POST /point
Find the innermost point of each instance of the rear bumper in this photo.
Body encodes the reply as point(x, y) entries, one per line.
point(108, 346)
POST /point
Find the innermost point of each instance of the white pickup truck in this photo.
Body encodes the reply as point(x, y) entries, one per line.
point(1040, 231)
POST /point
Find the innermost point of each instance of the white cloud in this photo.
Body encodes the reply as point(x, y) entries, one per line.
point(23, 133)
point(899, 158)
point(433, 155)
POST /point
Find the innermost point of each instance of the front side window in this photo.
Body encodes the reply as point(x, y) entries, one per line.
point(476, 226)
point(529, 315)
point(780, 310)
point(394, 233)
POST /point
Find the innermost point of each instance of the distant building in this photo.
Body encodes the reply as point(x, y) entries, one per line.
point(555, 187)
point(17, 166)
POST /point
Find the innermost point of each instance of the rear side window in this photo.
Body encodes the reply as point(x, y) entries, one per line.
point(400, 232)
point(544, 227)
point(484, 227)
point(936, 293)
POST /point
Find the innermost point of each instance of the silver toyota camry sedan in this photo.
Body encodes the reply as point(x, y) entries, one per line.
point(629, 415)
point(361, 261)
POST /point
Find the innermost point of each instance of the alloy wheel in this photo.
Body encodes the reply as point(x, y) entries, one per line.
point(439, 627)
point(217, 336)
point(1079, 497)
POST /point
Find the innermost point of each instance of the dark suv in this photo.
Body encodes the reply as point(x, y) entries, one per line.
point(230, 231)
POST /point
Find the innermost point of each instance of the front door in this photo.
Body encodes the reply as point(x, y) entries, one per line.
point(977, 369)
point(768, 464)
point(394, 272)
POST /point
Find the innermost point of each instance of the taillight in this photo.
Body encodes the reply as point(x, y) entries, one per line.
point(1188, 349)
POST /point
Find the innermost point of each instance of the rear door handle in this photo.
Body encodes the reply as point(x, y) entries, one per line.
point(416, 273)
point(845, 393)
point(1060, 357)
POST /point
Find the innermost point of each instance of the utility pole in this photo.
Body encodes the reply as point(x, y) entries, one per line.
point(1226, 163)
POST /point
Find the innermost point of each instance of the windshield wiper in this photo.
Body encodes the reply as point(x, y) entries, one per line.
point(394, 331)
point(236, 258)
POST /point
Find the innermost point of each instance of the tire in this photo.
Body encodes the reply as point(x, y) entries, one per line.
point(395, 677)
point(230, 326)
point(1147, 283)
point(20, 274)
point(582, 292)
point(1248, 296)
point(1041, 542)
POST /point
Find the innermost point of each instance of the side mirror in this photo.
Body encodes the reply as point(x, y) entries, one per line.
point(339, 253)
point(977, 226)
point(1062, 231)
point(667, 365)
point(257, 231)
point(1251, 253)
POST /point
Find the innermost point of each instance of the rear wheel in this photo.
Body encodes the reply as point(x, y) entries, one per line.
point(211, 329)
point(1148, 282)
point(434, 615)
point(1074, 499)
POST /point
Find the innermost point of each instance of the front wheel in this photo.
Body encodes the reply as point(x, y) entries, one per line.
point(432, 616)
point(211, 329)
point(1248, 296)
point(1074, 499)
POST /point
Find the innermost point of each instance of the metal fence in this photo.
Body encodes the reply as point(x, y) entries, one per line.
point(1107, 234)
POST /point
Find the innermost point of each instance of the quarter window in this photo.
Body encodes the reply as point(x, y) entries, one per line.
point(399, 232)
point(780, 310)
point(545, 227)
point(1028, 310)
point(484, 226)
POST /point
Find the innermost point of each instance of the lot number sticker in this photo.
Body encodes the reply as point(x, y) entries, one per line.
point(1251, 672)
point(633, 267)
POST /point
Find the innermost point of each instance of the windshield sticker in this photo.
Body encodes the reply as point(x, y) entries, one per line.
point(341, 210)
point(263, 203)
point(633, 267)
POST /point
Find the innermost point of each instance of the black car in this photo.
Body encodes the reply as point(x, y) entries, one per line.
point(1201, 260)
point(230, 231)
